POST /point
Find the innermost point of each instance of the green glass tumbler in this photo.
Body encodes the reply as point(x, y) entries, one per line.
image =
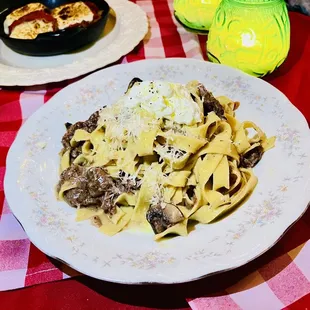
point(195, 14)
point(251, 35)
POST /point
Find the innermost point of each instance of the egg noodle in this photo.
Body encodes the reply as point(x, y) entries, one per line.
point(188, 158)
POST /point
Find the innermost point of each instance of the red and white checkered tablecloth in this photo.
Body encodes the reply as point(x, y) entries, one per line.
point(274, 281)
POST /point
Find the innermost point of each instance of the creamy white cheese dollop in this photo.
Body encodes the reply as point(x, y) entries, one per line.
point(165, 100)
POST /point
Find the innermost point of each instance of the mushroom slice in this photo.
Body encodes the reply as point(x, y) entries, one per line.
point(163, 216)
point(210, 103)
point(252, 157)
point(133, 82)
point(172, 213)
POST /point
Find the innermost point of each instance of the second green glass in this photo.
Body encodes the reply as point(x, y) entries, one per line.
point(196, 14)
point(251, 35)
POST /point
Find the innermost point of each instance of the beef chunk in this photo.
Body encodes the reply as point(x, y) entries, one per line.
point(251, 158)
point(70, 133)
point(94, 188)
point(108, 204)
point(76, 151)
point(73, 171)
point(210, 103)
point(127, 183)
point(92, 122)
point(79, 197)
point(128, 186)
point(68, 125)
point(74, 174)
point(98, 182)
point(90, 125)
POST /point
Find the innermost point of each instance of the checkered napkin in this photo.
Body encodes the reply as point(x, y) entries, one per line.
point(276, 285)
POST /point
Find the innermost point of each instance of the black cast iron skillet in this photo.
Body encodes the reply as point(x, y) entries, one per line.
point(54, 43)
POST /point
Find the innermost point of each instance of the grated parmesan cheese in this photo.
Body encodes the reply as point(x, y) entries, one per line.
point(125, 123)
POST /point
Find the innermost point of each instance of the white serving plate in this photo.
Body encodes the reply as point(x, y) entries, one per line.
point(280, 198)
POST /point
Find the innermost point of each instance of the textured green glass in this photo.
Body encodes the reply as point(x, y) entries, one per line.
point(196, 14)
point(251, 35)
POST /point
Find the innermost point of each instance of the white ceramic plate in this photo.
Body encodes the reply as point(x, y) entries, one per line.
point(130, 28)
point(280, 198)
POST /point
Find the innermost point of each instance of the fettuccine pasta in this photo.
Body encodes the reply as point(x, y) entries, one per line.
point(163, 155)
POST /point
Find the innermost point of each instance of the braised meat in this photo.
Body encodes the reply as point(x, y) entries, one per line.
point(90, 125)
point(98, 182)
point(127, 183)
point(74, 174)
point(93, 188)
point(79, 197)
